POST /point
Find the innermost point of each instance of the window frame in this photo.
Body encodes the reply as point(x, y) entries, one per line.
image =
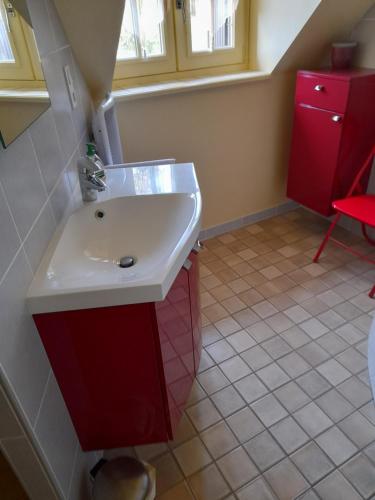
point(180, 64)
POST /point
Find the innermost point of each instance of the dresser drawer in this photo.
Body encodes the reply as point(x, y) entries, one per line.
point(321, 92)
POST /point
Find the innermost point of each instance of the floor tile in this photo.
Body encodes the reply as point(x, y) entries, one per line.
point(245, 424)
point(350, 333)
point(227, 326)
point(313, 384)
point(313, 353)
point(264, 450)
point(203, 414)
point(368, 411)
point(251, 388)
point(228, 401)
point(241, 341)
point(219, 439)
point(237, 468)
point(295, 337)
point(279, 322)
point(313, 420)
point(332, 343)
point(352, 360)
point(208, 484)
point(336, 487)
point(333, 371)
point(360, 472)
point(180, 491)
point(336, 445)
point(220, 351)
point(256, 358)
point(260, 331)
point(269, 410)
point(213, 380)
point(286, 481)
point(314, 328)
point(289, 435)
point(334, 405)
point(257, 490)
point(264, 309)
point(358, 429)
point(291, 396)
point(185, 431)
point(273, 376)
point(192, 456)
point(167, 471)
point(297, 314)
point(331, 319)
point(312, 462)
point(210, 335)
point(276, 347)
point(355, 391)
point(293, 364)
point(235, 368)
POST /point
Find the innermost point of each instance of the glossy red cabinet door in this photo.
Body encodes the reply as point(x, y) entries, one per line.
point(106, 364)
point(311, 175)
point(195, 306)
point(333, 133)
point(176, 342)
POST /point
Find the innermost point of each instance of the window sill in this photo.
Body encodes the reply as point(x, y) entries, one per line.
point(178, 86)
point(24, 95)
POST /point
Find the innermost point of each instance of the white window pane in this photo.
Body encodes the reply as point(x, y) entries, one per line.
point(127, 48)
point(212, 24)
point(142, 32)
point(6, 53)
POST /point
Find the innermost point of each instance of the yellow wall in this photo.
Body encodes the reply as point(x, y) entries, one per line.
point(237, 136)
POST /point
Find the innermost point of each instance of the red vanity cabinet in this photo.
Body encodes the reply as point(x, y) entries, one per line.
point(334, 127)
point(125, 372)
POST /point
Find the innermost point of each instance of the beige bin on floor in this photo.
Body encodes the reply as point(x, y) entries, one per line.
point(124, 478)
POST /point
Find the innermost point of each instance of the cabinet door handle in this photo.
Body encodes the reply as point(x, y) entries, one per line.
point(319, 88)
point(336, 118)
point(187, 265)
point(198, 247)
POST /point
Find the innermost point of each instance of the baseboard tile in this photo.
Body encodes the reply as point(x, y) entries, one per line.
point(226, 227)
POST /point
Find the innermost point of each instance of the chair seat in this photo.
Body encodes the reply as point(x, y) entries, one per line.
point(360, 207)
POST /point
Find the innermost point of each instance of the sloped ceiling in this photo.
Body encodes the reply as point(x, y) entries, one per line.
point(333, 20)
point(93, 30)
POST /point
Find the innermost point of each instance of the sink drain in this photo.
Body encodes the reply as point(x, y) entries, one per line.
point(127, 261)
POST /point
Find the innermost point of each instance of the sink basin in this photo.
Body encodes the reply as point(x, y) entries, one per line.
point(81, 266)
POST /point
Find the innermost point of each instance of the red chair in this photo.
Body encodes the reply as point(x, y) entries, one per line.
point(358, 206)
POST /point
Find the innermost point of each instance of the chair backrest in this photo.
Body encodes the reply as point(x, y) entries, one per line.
point(367, 165)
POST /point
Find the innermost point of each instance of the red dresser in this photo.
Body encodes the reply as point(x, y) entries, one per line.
point(334, 130)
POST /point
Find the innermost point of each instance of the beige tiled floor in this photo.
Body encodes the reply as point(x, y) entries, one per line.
point(282, 407)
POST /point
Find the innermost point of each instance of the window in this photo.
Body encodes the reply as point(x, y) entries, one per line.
point(173, 37)
point(19, 59)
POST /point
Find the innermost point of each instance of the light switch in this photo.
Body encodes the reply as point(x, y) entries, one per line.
point(70, 85)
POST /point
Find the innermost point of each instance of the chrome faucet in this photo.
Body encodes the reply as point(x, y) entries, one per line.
point(91, 176)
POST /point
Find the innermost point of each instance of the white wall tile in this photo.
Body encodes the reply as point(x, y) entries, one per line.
point(10, 240)
point(56, 434)
point(22, 182)
point(47, 148)
point(39, 237)
point(22, 355)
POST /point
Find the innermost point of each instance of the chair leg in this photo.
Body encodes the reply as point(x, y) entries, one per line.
point(326, 237)
point(372, 293)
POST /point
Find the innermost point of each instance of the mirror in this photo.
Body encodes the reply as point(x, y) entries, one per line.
point(23, 92)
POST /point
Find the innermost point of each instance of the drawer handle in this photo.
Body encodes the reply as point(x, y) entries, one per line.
point(198, 247)
point(336, 118)
point(187, 265)
point(319, 88)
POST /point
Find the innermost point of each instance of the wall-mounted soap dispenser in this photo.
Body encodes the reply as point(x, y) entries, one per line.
point(106, 132)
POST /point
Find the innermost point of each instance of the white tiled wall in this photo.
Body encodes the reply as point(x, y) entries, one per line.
point(37, 178)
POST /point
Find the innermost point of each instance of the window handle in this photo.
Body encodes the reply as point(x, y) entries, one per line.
point(181, 5)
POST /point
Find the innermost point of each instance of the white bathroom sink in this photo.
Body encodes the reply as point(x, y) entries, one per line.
point(81, 266)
